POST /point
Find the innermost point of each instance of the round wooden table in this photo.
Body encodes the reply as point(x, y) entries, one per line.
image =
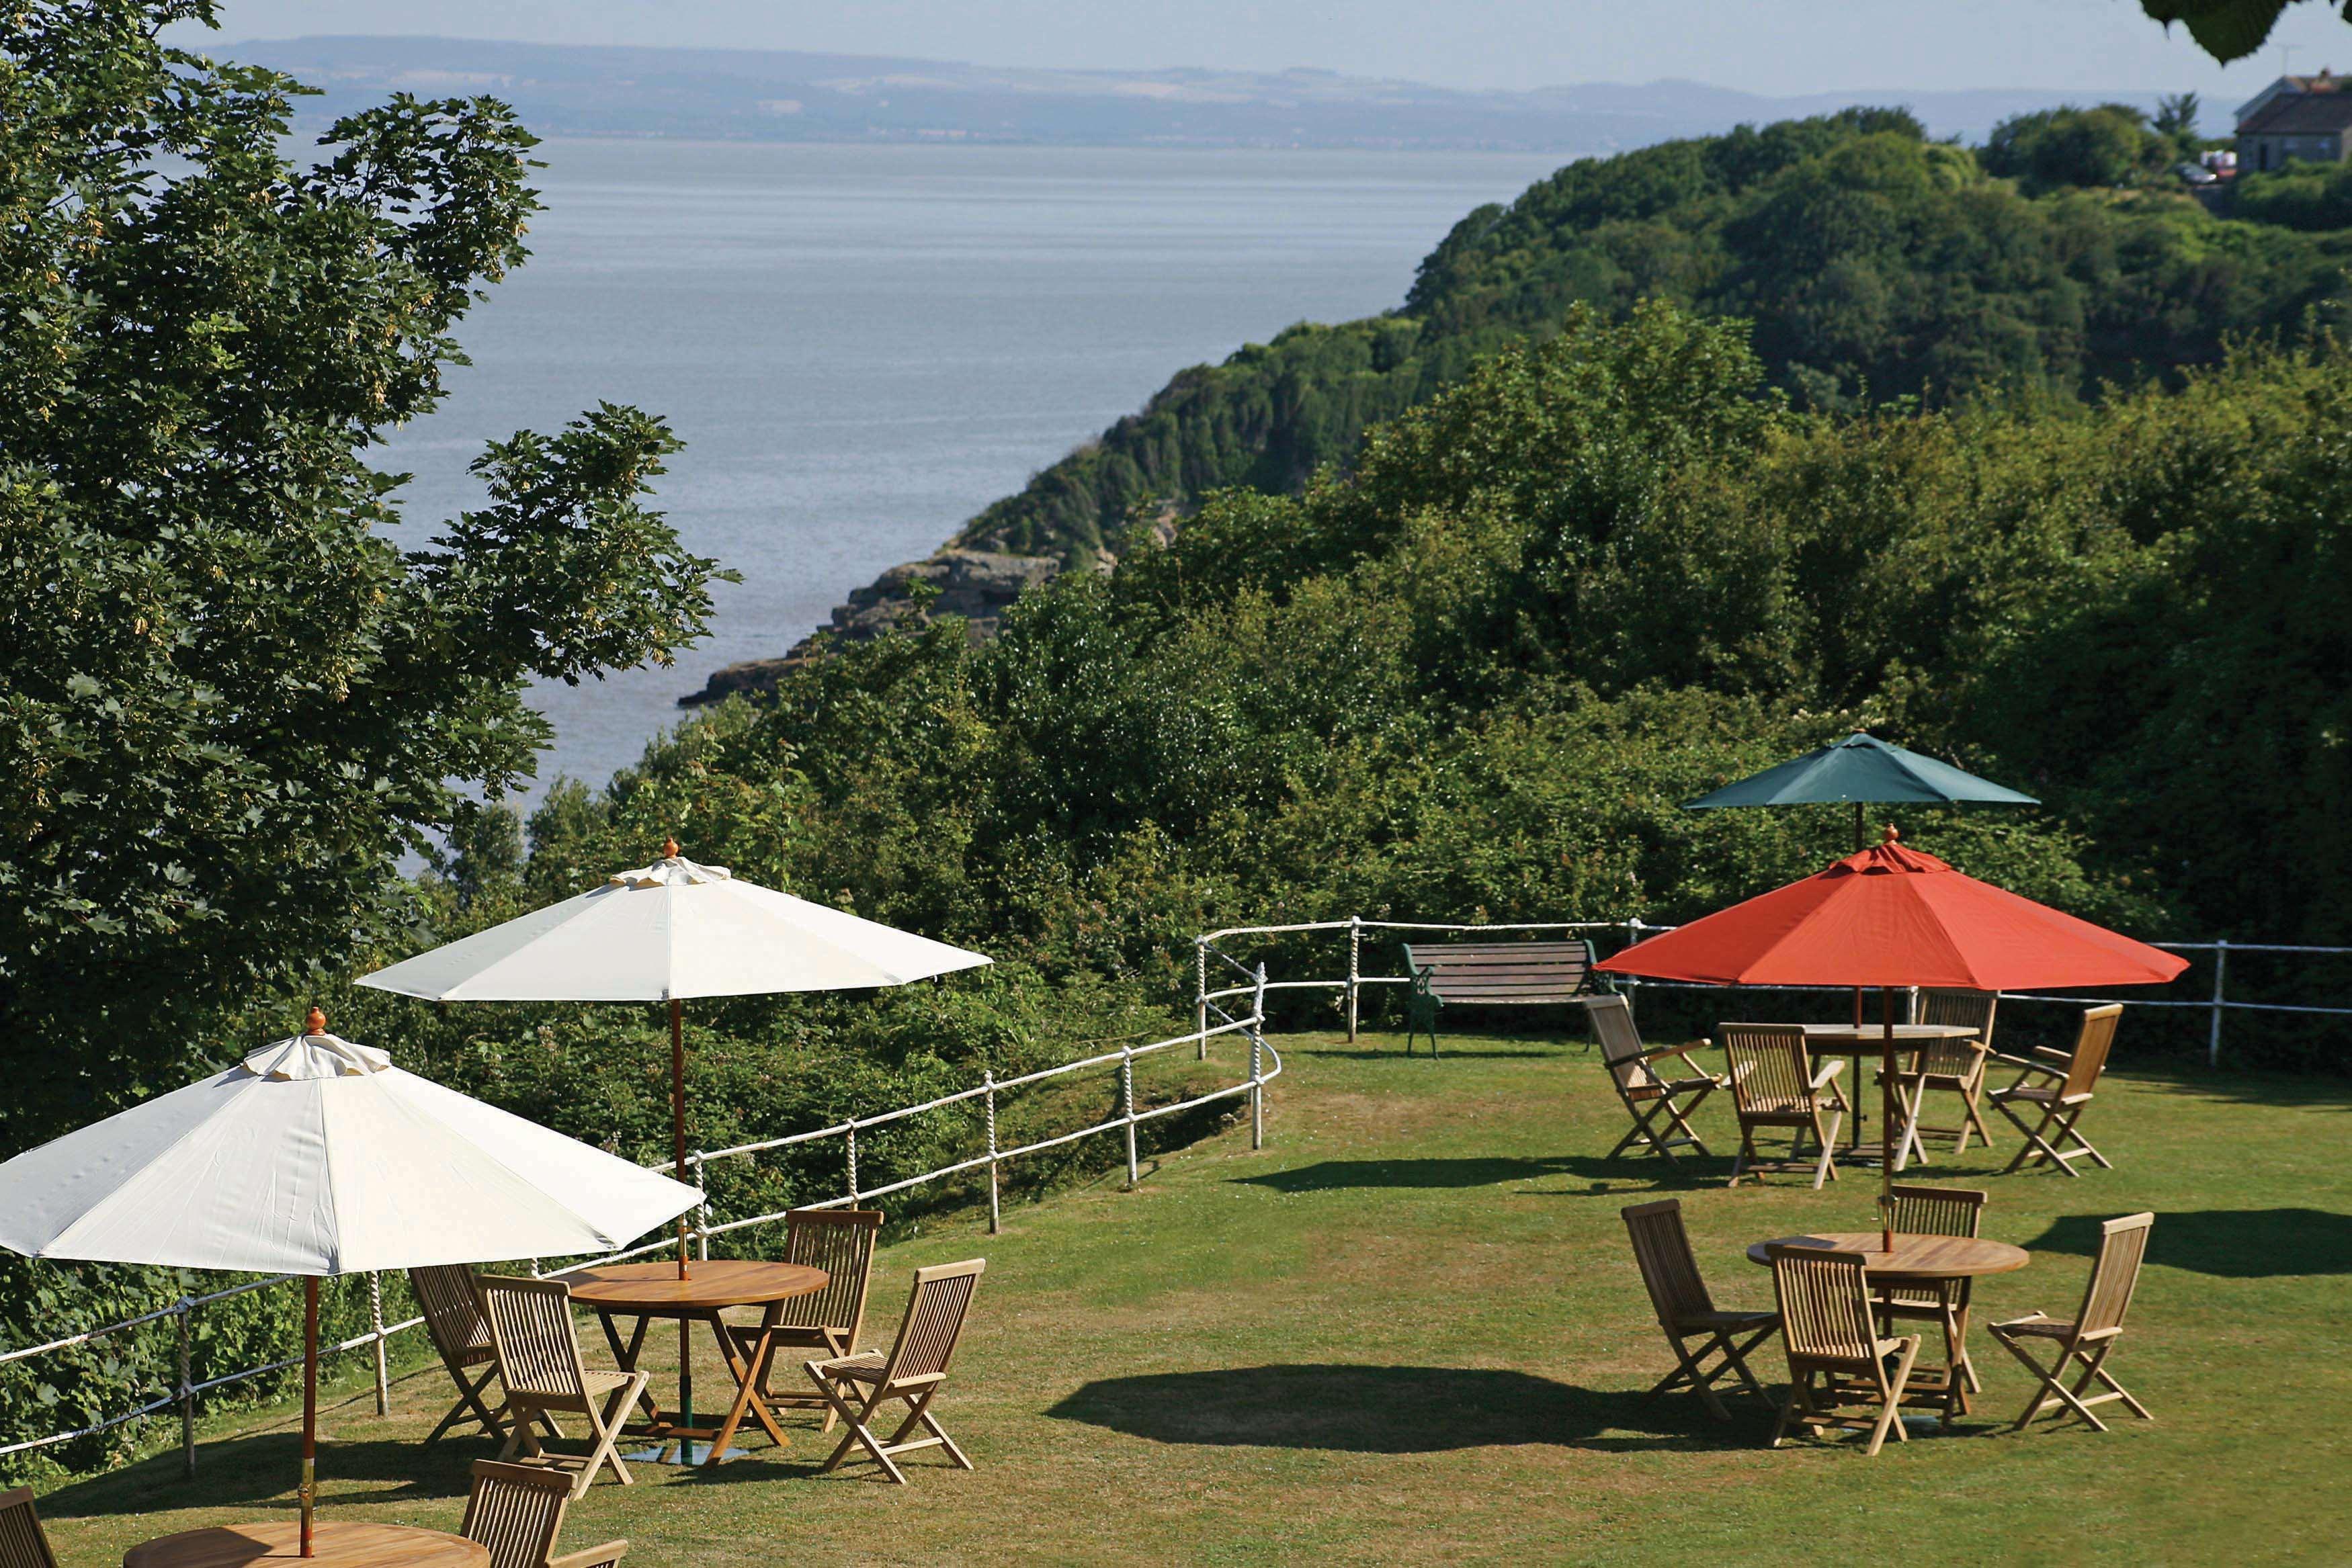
point(1859, 1040)
point(653, 1289)
point(1944, 1263)
point(336, 1544)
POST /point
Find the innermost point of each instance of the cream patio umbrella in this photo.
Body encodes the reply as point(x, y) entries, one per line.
point(317, 1157)
point(668, 933)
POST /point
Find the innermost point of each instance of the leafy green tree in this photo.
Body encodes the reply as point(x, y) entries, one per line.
point(2051, 149)
point(228, 702)
point(1874, 262)
point(2229, 29)
point(2176, 121)
point(2316, 197)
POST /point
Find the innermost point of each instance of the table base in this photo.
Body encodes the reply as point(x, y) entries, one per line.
point(684, 1453)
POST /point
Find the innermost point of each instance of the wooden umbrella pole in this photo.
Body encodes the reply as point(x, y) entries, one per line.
point(678, 1111)
point(310, 1406)
point(677, 1139)
point(1885, 1118)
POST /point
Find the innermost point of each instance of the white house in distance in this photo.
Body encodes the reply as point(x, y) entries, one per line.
point(2306, 117)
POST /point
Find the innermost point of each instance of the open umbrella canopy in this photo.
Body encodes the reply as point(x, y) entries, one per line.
point(317, 1156)
point(1858, 768)
point(666, 932)
point(1891, 916)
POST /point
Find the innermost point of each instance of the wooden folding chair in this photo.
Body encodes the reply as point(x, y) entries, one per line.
point(538, 1362)
point(1951, 1066)
point(516, 1511)
point(856, 1386)
point(2090, 1339)
point(1825, 1324)
point(1775, 1085)
point(1648, 1097)
point(23, 1542)
point(2062, 1095)
point(841, 1242)
point(453, 1323)
point(1686, 1311)
point(1938, 1211)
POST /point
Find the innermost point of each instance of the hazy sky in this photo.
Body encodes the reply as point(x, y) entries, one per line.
point(1763, 46)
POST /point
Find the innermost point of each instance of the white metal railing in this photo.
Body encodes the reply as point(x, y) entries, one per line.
point(2217, 1005)
point(1265, 1066)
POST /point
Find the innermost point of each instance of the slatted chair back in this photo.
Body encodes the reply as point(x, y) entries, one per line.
point(1961, 1009)
point(531, 1328)
point(1661, 1248)
point(1621, 1042)
point(1824, 1299)
point(1770, 1073)
point(934, 1322)
point(453, 1313)
point(841, 1242)
point(23, 1542)
point(1938, 1210)
point(2091, 1046)
point(516, 1510)
point(1932, 1211)
point(2123, 1244)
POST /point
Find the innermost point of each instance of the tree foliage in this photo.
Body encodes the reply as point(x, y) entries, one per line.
point(2110, 145)
point(1875, 264)
point(2229, 29)
point(227, 702)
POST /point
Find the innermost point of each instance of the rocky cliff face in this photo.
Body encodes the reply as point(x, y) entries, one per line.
point(974, 584)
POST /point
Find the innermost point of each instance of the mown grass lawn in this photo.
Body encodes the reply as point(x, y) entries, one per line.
point(1409, 1330)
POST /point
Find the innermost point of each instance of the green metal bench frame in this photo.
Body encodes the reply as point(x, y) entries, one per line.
point(1490, 974)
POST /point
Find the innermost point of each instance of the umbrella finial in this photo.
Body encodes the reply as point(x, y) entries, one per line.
point(1893, 833)
point(315, 1022)
point(670, 848)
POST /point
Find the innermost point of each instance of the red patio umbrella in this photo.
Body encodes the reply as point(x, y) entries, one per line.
point(1891, 916)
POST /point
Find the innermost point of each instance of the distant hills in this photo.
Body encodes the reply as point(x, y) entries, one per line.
point(769, 95)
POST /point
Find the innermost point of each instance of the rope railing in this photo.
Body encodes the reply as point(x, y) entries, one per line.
point(1213, 1019)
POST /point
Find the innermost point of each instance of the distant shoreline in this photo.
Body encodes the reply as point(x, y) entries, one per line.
point(776, 96)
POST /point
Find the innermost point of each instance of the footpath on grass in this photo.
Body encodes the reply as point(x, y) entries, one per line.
point(1409, 1330)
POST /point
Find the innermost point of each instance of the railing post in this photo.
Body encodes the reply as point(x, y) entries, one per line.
point(1355, 969)
point(2220, 969)
point(1201, 995)
point(187, 1394)
point(994, 1222)
point(852, 1162)
point(1127, 1094)
point(701, 1208)
point(1628, 983)
point(1257, 1068)
point(375, 1322)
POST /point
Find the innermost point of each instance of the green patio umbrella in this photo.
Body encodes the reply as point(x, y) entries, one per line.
point(1860, 768)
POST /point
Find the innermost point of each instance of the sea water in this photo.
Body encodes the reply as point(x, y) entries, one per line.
point(862, 346)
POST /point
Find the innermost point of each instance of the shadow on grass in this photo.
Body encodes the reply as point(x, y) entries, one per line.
point(1394, 1410)
point(265, 1466)
point(1339, 1176)
point(2231, 1243)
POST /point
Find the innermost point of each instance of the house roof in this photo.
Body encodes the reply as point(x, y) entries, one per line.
point(2283, 86)
point(2305, 114)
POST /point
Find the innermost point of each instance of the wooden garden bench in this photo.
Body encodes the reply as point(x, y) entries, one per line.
point(1496, 974)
